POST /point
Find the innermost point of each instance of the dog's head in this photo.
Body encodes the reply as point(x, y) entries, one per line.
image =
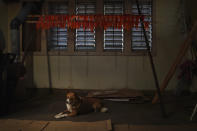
point(72, 98)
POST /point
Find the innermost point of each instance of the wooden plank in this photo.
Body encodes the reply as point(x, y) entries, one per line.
point(81, 126)
point(29, 125)
point(109, 126)
point(14, 125)
point(121, 127)
point(35, 126)
point(177, 61)
point(71, 32)
point(162, 127)
point(99, 37)
point(34, 15)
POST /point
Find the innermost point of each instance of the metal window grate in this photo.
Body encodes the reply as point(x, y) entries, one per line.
point(57, 37)
point(113, 38)
point(85, 39)
point(138, 40)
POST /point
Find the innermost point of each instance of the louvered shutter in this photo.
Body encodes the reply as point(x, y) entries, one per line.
point(113, 38)
point(138, 40)
point(58, 37)
point(85, 39)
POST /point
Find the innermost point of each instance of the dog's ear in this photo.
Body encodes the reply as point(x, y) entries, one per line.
point(77, 96)
point(68, 91)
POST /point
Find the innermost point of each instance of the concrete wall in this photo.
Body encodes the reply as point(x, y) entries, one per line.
point(107, 72)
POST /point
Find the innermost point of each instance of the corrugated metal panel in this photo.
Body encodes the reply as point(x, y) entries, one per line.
point(85, 39)
point(113, 38)
point(138, 40)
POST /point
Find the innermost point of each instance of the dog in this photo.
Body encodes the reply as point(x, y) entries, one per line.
point(80, 105)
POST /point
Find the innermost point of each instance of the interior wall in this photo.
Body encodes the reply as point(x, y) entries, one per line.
point(3, 25)
point(114, 72)
point(191, 9)
point(13, 10)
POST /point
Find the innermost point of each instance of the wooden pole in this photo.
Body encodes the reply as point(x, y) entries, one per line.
point(152, 63)
point(177, 61)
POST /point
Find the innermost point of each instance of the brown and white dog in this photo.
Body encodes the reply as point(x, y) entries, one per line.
point(80, 105)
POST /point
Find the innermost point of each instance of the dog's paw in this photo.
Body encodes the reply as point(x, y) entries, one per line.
point(104, 109)
point(57, 116)
point(60, 115)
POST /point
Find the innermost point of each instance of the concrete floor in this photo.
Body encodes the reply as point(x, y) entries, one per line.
point(123, 115)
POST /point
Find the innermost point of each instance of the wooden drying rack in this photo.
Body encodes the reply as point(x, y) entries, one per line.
point(177, 61)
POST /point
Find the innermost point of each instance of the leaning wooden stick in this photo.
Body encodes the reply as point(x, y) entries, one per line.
point(177, 61)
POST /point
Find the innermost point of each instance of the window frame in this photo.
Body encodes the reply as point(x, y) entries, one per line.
point(99, 34)
point(140, 50)
point(122, 29)
point(49, 46)
point(86, 50)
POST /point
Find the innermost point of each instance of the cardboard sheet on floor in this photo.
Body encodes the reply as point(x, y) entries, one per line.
point(29, 125)
point(122, 93)
point(79, 126)
point(13, 124)
point(21, 125)
point(132, 95)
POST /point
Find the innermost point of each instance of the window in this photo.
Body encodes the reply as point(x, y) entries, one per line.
point(85, 38)
point(137, 35)
point(113, 38)
point(57, 37)
point(111, 41)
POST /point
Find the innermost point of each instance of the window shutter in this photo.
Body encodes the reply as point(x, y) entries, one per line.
point(138, 40)
point(113, 38)
point(58, 37)
point(85, 39)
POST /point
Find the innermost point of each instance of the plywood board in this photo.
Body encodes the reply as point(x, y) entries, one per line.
point(35, 126)
point(191, 127)
point(121, 127)
point(13, 125)
point(76, 126)
point(29, 125)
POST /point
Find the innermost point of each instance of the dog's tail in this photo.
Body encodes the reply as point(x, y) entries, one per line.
point(104, 109)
